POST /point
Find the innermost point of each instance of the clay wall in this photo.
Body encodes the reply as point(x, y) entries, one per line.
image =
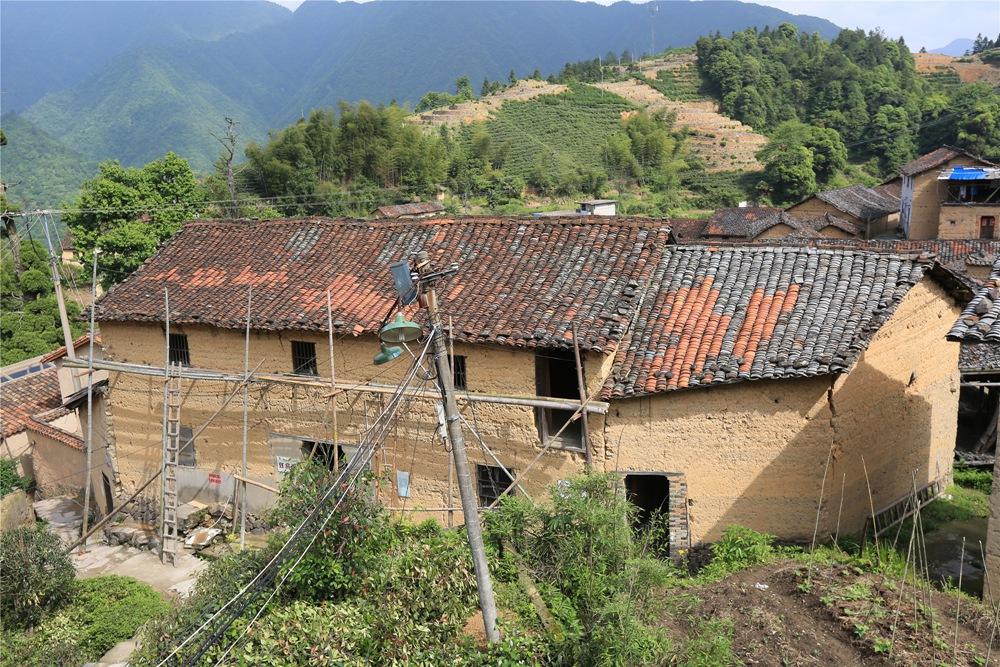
point(814, 207)
point(754, 453)
point(280, 414)
point(925, 207)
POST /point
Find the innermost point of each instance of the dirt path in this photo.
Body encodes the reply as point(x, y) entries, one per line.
point(725, 144)
point(468, 112)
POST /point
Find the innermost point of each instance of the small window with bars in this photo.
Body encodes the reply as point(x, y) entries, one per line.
point(185, 452)
point(304, 358)
point(179, 351)
point(492, 482)
point(458, 372)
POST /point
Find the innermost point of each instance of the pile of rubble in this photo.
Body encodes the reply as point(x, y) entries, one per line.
point(199, 525)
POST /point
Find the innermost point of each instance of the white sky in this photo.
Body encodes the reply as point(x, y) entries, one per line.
point(930, 23)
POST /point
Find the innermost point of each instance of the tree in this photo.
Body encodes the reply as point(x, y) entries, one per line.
point(512, 78)
point(828, 155)
point(893, 138)
point(463, 88)
point(129, 212)
point(788, 172)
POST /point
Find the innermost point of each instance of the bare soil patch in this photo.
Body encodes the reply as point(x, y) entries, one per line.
point(840, 616)
point(468, 112)
point(968, 72)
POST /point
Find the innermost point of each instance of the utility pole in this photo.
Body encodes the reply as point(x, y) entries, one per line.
point(90, 403)
point(470, 505)
point(57, 283)
point(246, 408)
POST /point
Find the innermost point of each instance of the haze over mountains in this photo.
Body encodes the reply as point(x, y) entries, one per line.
point(131, 80)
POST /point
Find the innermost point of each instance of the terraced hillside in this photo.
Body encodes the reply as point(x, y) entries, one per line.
point(468, 112)
point(949, 69)
point(568, 128)
point(723, 143)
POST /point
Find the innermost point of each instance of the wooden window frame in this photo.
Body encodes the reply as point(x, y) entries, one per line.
point(490, 485)
point(460, 372)
point(304, 360)
point(179, 351)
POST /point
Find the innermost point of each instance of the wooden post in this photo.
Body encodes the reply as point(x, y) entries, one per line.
point(444, 433)
point(584, 430)
point(166, 391)
point(246, 408)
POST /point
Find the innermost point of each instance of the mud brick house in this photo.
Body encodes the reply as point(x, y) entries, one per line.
point(751, 223)
point(979, 328)
point(722, 378)
point(937, 201)
point(875, 211)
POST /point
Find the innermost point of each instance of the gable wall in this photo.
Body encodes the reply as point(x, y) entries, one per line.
point(815, 207)
point(925, 207)
point(754, 453)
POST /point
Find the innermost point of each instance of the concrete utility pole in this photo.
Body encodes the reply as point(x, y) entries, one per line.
point(57, 283)
point(470, 505)
point(90, 402)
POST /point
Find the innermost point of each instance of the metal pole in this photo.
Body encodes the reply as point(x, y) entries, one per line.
point(90, 405)
point(246, 407)
point(60, 302)
point(333, 380)
point(470, 505)
point(584, 431)
point(166, 394)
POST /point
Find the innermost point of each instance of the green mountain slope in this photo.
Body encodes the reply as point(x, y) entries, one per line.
point(38, 169)
point(167, 96)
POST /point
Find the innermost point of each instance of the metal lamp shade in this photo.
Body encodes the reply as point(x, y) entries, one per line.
point(400, 330)
point(387, 354)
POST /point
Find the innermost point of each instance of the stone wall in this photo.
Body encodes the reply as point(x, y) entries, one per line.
point(993, 539)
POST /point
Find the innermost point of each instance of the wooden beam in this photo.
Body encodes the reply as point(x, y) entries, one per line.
point(596, 407)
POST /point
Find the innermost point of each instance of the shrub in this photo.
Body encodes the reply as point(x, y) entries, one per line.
point(9, 479)
point(37, 575)
point(738, 549)
point(972, 478)
point(104, 611)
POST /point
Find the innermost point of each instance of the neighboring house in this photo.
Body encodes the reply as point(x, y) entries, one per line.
point(927, 207)
point(875, 211)
point(416, 210)
point(751, 223)
point(723, 379)
point(44, 415)
point(979, 328)
point(971, 203)
point(607, 207)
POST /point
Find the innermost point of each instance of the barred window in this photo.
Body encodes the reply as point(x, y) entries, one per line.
point(492, 482)
point(304, 358)
point(459, 373)
point(179, 352)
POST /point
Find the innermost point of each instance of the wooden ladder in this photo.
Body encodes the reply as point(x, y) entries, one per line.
point(171, 448)
point(904, 508)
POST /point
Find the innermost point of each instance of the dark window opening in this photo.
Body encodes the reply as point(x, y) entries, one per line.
point(650, 493)
point(492, 482)
point(459, 373)
point(109, 496)
point(555, 376)
point(304, 358)
point(179, 352)
point(185, 452)
point(326, 453)
point(987, 225)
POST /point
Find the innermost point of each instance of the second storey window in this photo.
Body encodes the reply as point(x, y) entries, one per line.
point(491, 483)
point(555, 376)
point(458, 372)
point(179, 352)
point(304, 358)
point(987, 225)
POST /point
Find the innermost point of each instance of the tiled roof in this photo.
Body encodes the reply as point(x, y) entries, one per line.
point(861, 202)
point(981, 357)
point(416, 208)
point(980, 321)
point(60, 352)
point(521, 282)
point(936, 158)
point(726, 314)
point(686, 229)
point(36, 425)
point(27, 396)
point(736, 222)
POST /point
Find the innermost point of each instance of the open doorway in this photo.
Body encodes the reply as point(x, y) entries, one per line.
point(650, 493)
point(330, 455)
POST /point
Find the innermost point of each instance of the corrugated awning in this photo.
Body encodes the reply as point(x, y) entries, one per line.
point(970, 174)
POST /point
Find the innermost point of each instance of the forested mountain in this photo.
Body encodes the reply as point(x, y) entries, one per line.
point(38, 169)
point(48, 46)
point(153, 93)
